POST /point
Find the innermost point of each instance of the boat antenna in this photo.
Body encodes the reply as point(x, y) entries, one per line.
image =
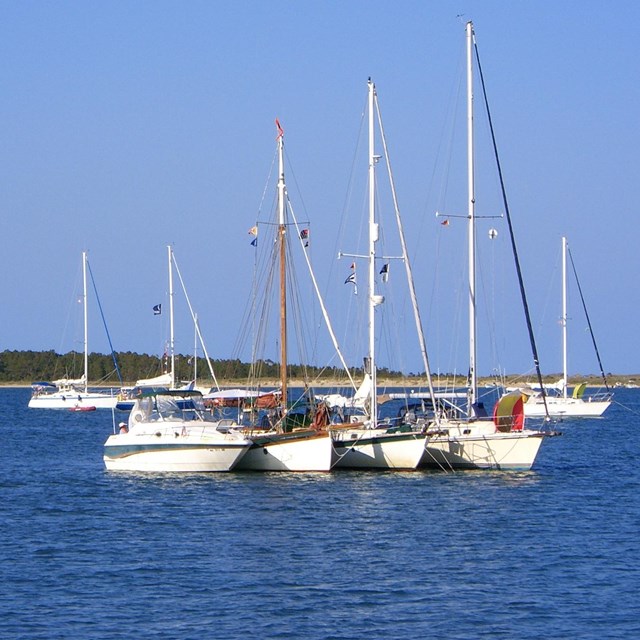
point(516, 259)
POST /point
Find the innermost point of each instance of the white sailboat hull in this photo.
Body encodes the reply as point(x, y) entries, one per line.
point(515, 450)
point(565, 407)
point(289, 452)
point(169, 450)
point(377, 449)
point(73, 400)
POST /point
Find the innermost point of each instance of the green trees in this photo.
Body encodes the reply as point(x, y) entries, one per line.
point(25, 367)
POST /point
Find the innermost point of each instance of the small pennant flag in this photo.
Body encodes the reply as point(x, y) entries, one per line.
point(445, 223)
point(254, 242)
point(384, 272)
point(253, 231)
point(304, 235)
point(351, 279)
point(157, 310)
point(280, 130)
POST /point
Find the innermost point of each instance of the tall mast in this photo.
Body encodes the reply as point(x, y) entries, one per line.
point(86, 324)
point(563, 321)
point(473, 381)
point(283, 265)
point(171, 338)
point(373, 238)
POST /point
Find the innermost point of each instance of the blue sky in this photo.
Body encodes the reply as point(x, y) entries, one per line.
point(128, 126)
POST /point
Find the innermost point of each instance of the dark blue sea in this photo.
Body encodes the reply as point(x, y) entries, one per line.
point(550, 553)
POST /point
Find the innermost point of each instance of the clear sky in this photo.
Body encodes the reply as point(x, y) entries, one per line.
point(128, 126)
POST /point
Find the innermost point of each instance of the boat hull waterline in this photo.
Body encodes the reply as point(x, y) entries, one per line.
point(377, 449)
point(288, 452)
point(514, 451)
point(169, 451)
point(74, 401)
point(565, 407)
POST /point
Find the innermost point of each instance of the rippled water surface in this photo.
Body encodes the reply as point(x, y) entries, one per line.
point(551, 553)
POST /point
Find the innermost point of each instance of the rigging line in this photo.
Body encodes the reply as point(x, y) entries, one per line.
point(251, 317)
point(294, 311)
point(550, 294)
point(586, 313)
point(492, 308)
point(69, 332)
point(352, 307)
point(104, 322)
point(325, 314)
point(246, 335)
point(516, 259)
point(444, 182)
point(447, 129)
point(197, 325)
point(487, 292)
point(407, 264)
point(290, 172)
point(263, 304)
point(350, 187)
point(267, 183)
point(432, 317)
point(455, 343)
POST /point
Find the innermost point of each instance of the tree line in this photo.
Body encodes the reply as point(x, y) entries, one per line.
point(25, 367)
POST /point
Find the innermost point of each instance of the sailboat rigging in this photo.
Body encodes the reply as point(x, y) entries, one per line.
point(475, 440)
point(371, 444)
point(167, 379)
point(75, 394)
point(284, 440)
point(562, 404)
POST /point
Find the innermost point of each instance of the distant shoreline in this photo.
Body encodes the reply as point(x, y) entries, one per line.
point(420, 382)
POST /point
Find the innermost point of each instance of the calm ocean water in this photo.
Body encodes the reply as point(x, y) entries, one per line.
point(551, 553)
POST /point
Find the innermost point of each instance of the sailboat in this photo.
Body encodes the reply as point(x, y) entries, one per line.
point(474, 440)
point(370, 444)
point(73, 394)
point(167, 380)
point(280, 443)
point(560, 403)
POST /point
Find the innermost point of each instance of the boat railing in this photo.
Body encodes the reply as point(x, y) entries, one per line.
point(600, 396)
